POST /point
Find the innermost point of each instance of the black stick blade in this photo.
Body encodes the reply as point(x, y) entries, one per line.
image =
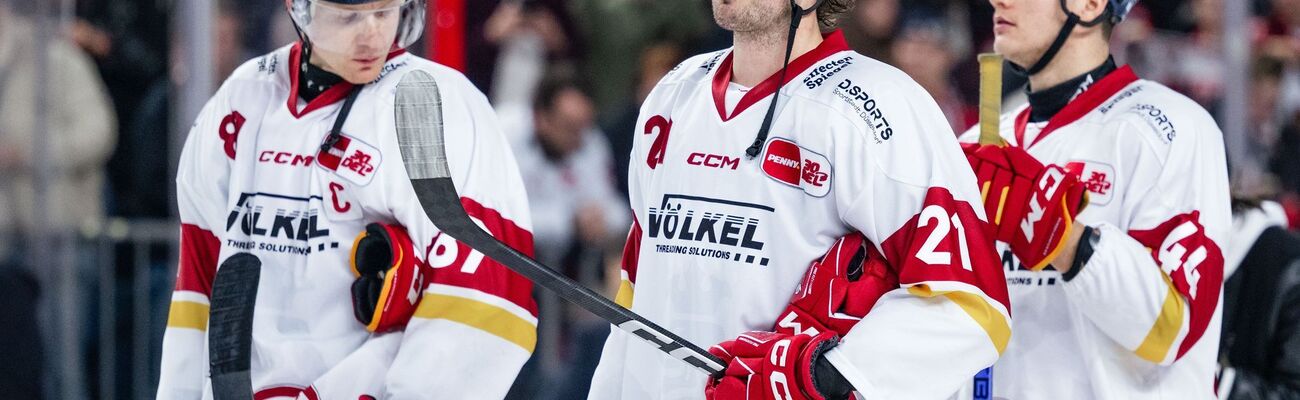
point(230, 326)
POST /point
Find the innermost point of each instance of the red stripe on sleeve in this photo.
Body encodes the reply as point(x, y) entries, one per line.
point(1194, 264)
point(198, 261)
point(938, 243)
point(632, 250)
point(456, 264)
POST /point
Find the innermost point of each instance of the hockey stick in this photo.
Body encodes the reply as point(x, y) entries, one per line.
point(990, 98)
point(420, 139)
point(230, 326)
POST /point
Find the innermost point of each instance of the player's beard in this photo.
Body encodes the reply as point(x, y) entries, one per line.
point(756, 21)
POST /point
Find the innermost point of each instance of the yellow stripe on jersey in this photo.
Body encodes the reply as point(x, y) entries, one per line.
point(994, 323)
point(1163, 332)
point(188, 314)
point(624, 296)
point(483, 316)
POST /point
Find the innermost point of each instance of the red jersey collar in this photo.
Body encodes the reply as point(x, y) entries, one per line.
point(831, 44)
point(1089, 100)
point(330, 96)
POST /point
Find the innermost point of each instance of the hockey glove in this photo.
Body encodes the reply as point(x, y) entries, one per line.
point(838, 289)
point(771, 366)
point(390, 279)
point(1030, 206)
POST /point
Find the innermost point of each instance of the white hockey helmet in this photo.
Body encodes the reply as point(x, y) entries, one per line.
point(331, 24)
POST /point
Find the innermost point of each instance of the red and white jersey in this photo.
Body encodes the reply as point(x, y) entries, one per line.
point(1140, 320)
point(720, 241)
point(253, 178)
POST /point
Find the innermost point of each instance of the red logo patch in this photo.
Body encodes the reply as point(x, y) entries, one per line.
point(357, 158)
point(1097, 178)
point(812, 173)
point(1097, 183)
point(781, 161)
point(331, 158)
point(359, 162)
point(794, 165)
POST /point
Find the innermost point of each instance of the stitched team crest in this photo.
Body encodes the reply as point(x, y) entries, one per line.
point(791, 164)
point(351, 159)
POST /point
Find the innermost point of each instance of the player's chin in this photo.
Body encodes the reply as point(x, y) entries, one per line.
point(1009, 47)
point(365, 73)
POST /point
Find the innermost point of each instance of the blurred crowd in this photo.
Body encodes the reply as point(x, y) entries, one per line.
point(566, 78)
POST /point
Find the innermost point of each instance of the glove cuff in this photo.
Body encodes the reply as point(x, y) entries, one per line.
point(809, 379)
point(827, 380)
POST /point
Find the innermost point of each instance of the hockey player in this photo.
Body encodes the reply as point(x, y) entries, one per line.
point(295, 160)
point(1130, 306)
point(745, 171)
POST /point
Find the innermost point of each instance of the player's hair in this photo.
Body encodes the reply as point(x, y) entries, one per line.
point(828, 14)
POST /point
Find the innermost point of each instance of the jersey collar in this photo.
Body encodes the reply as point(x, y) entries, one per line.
point(831, 44)
point(332, 95)
point(1087, 101)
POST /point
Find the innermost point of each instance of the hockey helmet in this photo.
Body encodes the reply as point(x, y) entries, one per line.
point(331, 24)
point(1119, 9)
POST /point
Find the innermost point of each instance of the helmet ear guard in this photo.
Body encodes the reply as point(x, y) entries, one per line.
point(412, 25)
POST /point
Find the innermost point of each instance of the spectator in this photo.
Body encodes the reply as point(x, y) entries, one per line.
point(127, 40)
point(1260, 346)
point(565, 163)
point(1148, 51)
point(923, 49)
point(869, 28)
point(656, 61)
point(1252, 177)
point(617, 31)
point(1283, 42)
point(529, 36)
point(1285, 166)
point(135, 169)
point(79, 131)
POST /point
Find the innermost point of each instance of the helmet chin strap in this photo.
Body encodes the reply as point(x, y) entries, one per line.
point(1071, 20)
point(796, 16)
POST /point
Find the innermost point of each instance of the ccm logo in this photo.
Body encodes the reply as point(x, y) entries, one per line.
point(713, 161)
point(280, 157)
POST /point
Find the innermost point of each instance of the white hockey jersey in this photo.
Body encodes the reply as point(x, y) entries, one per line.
point(252, 178)
point(1140, 320)
point(719, 241)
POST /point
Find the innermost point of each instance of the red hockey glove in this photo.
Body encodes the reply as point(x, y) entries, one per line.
point(838, 289)
point(390, 279)
point(1030, 206)
point(770, 366)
